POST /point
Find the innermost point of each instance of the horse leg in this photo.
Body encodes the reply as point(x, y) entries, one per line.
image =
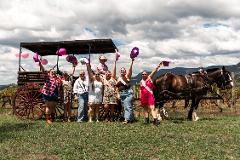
point(186, 102)
point(195, 117)
point(190, 113)
point(157, 110)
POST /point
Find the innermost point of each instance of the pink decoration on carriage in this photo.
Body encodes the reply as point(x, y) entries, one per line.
point(25, 55)
point(61, 52)
point(17, 55)
point(36, 57)
point(44, 61)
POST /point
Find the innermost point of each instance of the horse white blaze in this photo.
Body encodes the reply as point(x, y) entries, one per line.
point(231, 81)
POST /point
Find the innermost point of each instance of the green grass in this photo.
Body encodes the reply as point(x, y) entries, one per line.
point(210, 138)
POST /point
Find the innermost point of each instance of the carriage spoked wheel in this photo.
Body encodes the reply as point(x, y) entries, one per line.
point(59, 110)
point(117, 115)
point(27, 102)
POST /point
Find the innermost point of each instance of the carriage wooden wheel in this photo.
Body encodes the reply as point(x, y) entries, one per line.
point(117, 115)
point(27, 102)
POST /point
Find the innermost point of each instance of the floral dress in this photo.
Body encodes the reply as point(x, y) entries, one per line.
point(109, 94)
point(67, 91)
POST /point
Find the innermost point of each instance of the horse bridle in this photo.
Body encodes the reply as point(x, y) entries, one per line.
point(223, 80)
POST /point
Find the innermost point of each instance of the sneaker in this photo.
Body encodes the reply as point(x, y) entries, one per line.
point(126, 122)
point(165, 113)
point(156, 122)
point(49, 121)
point(159, 118)
point(146, 121)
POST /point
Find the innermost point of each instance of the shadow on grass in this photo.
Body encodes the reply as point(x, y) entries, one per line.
point(9, 130)
point(177, 119)
point(208, 119)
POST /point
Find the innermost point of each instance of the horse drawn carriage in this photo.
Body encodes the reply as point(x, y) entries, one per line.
point(192, 87)
point(27, 102)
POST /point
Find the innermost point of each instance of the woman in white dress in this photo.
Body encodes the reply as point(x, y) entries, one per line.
point(95, 96)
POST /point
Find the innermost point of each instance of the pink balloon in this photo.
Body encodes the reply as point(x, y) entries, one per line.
point(44, 61)
point(71, 58)
point(17, 55)
point(134, 52)
point(25, 55)
point(61, 52)
point(36, 57)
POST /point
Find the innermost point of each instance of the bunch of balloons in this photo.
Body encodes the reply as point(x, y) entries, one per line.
point(36, 58)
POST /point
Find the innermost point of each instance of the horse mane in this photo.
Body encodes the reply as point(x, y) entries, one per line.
point(212, 69)
point(196, 72)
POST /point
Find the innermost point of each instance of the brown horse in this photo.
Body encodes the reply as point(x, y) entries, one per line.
point(190, 87)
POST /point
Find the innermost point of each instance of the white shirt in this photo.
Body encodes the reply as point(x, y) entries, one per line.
point(80, 86)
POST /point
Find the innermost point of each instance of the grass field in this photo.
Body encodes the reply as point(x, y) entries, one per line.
point(213, 137)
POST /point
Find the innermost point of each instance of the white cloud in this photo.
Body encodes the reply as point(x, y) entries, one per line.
point(189, 33)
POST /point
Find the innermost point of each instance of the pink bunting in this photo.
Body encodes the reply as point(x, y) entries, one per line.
point(36, 57)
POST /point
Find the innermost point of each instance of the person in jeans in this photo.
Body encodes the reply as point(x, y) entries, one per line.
point(126, 92)
point(80, 90)
point(147, 97)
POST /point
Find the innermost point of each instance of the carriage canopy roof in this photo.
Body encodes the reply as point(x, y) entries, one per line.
point(93, 46)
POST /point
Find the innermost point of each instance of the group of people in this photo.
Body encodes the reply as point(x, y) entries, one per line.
point(100, 89)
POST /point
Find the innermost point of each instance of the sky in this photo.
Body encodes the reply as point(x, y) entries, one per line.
point(188, 33)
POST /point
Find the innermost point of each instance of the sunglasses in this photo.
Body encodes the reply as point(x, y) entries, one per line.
point(144, 74)
point(82, 74)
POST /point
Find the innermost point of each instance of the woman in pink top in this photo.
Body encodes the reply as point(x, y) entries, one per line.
point(146, 95)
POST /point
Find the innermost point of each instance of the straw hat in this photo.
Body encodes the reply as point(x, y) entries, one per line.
point(102, 57)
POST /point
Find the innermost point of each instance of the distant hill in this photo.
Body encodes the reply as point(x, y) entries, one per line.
point(183, 71)
point(5, 86)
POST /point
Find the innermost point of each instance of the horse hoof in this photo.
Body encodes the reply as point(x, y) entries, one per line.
point(195, 119)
